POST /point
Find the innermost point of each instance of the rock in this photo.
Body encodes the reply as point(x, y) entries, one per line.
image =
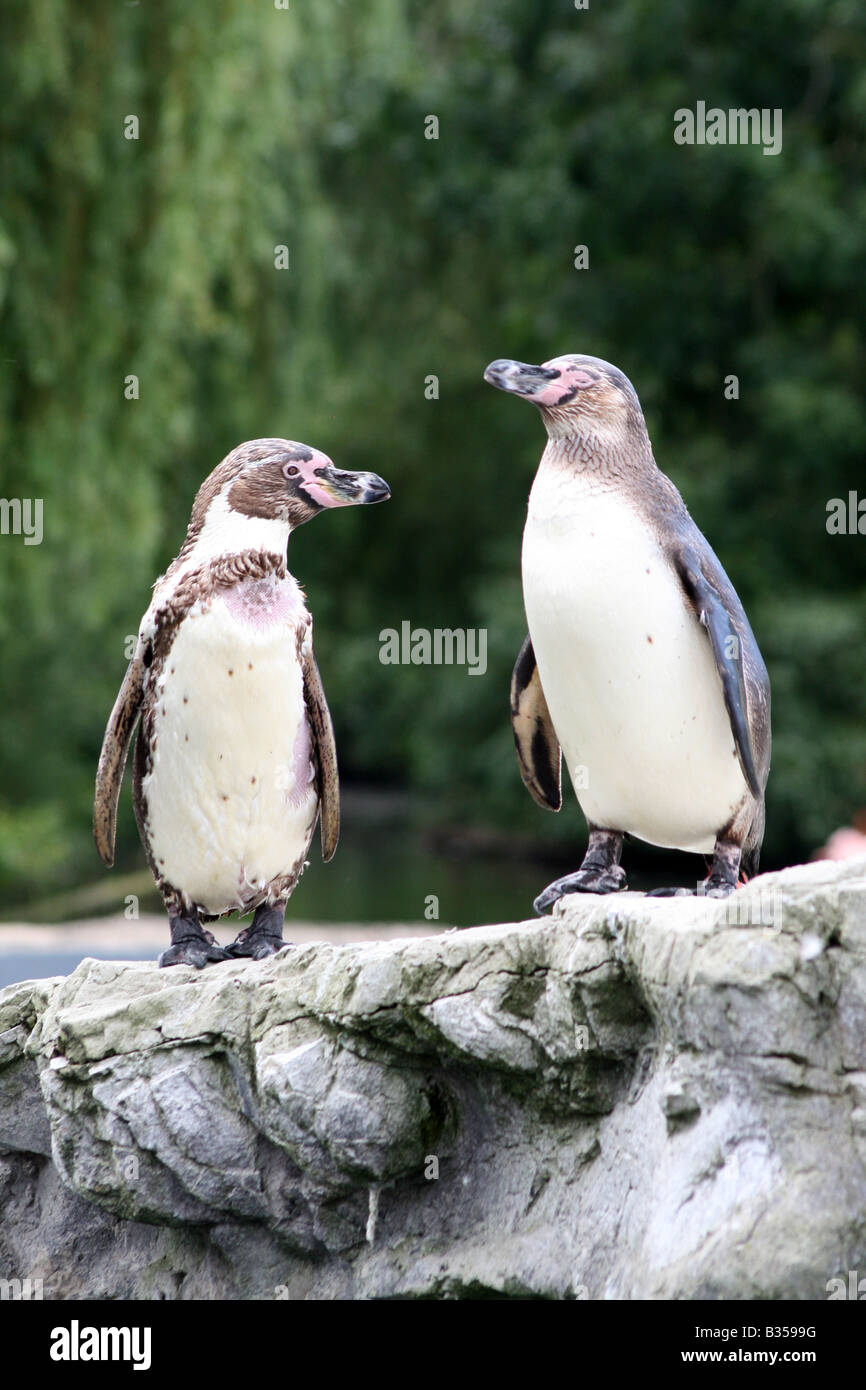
point(637, 1098)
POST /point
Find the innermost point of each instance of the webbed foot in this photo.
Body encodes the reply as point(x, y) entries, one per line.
point(263, 937)
point(191, 944)
point(602, 880)
point(600, 871)
point(722, 880)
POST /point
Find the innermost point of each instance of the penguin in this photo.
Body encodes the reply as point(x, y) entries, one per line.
point(235, 759)
point(640, 666)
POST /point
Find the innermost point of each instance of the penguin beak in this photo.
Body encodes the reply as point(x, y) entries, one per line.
point(334, 487)
point(519, 378)
point(374, 488)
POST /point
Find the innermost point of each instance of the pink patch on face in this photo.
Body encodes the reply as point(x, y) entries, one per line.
point(311, 485)
point(264, 603)
point(552, 393)
point(314, 490)
point(555, 393)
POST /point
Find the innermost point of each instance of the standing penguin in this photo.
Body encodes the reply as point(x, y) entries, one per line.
point(640, 663)
point(235, 758)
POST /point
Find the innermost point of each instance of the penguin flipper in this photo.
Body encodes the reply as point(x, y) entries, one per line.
point(324, 753)
point(539, 755)
point(727, 647)
point(112, 759)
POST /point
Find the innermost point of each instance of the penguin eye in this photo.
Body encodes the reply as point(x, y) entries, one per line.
point(289, 470)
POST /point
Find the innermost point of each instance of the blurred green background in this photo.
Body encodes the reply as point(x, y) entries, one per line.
point(410, 257)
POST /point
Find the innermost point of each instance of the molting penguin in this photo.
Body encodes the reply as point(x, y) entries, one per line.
point(640, 664)
point(235, 758)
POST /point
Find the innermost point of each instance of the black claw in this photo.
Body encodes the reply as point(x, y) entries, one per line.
point(268, 948)
point(544, 901)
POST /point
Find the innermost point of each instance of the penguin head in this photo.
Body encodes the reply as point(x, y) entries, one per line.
point(575, 393)
point(283, 480)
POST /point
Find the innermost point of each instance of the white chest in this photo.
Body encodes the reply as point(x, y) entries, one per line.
point(231, 797)
point(626, 668)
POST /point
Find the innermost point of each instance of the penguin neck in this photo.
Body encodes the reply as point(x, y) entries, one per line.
point(224, 533)
point(609, 452)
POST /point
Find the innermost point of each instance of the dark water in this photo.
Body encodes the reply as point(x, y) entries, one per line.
point(382, 877)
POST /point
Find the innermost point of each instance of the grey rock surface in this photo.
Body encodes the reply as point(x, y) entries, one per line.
point(635, 1098)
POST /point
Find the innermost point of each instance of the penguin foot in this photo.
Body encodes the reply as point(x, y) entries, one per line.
point(263, 937)
point(255, 947)
point(722, 880)
point(610, 879)
point(191, 945)
point(719, 888)
point(724, 876)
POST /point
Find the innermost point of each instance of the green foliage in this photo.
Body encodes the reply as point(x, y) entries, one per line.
point(411, 257)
